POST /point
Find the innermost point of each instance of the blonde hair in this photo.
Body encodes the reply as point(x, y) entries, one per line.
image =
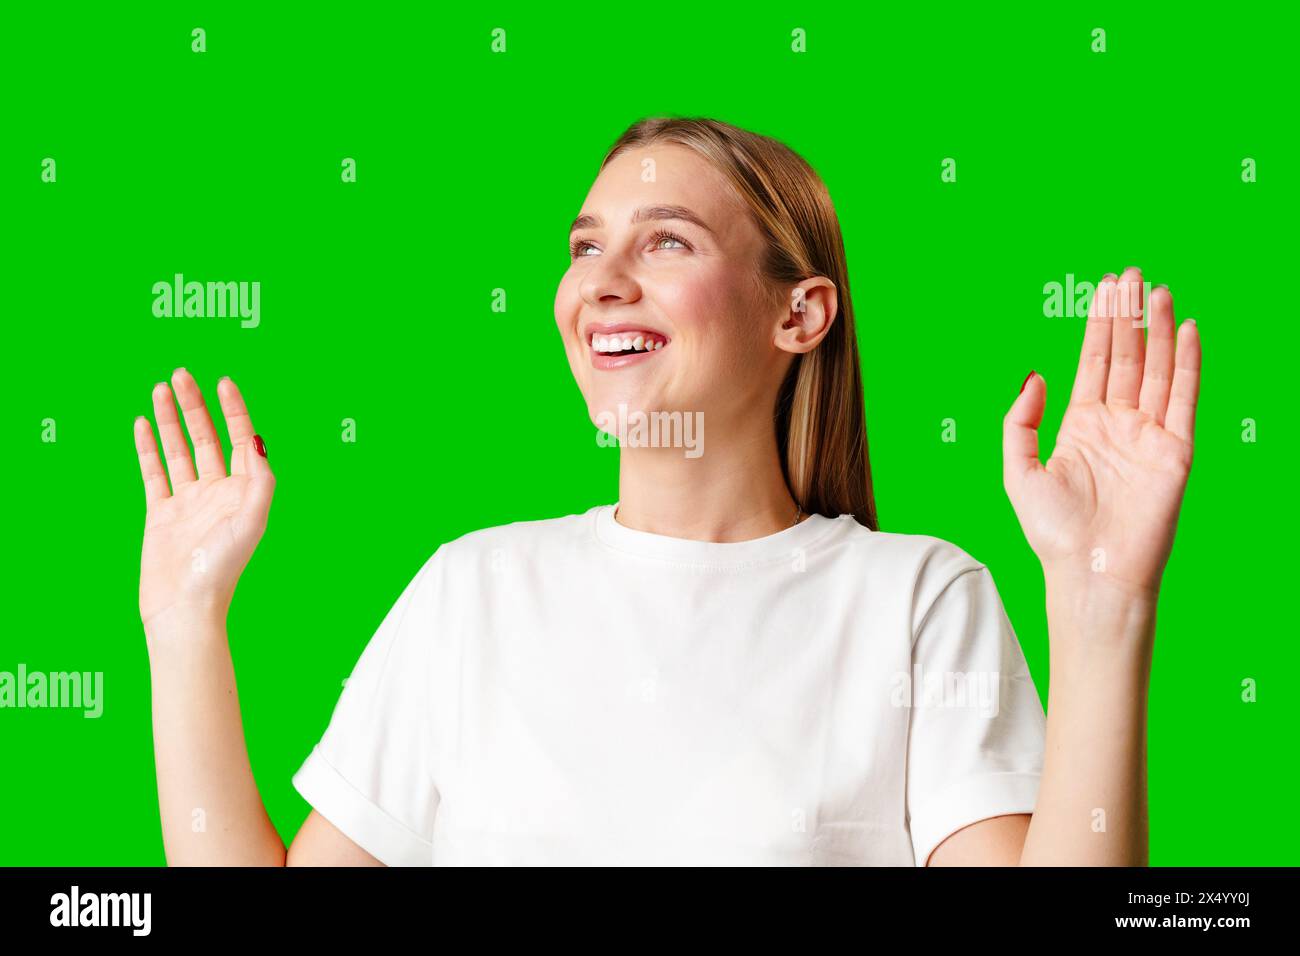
point(820, 421)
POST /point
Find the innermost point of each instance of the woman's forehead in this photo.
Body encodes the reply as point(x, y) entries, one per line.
point(664, 176)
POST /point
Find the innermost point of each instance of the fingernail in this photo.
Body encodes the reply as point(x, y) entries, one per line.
point(1026, 381)
point(224, 378)
point(1161, 285)
point(1109, 275)
point(259, 445)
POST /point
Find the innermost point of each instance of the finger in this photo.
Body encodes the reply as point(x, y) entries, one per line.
point(261, 485)
point(1181, 417)
point(180, 467)
point(151, 467)
point(238, 424)
point(1094, 356)
point(1158, 371)
point(1020, 431)
point(207, 446)
point(1127, 348)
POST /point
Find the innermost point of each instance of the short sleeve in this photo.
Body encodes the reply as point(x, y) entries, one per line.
point(370, 774)
point(977, 731)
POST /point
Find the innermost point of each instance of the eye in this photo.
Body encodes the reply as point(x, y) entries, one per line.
point(578, 249)
point(663, 234)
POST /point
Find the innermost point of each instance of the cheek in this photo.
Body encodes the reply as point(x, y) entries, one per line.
point(716, 321)
point(693, 304)
point(566, 304)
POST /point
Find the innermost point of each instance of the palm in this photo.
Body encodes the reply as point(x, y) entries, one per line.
point(191, 536)
point(199, 537)
point(1107, 500)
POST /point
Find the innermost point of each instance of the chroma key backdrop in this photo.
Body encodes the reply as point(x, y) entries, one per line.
point(375, 203)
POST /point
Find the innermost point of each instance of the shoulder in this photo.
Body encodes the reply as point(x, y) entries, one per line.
point(462, 565)
point(928, 558)
point(525, 538)
point(922, 566)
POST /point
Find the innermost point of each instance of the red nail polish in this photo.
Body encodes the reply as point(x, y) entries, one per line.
point(1026, 381)
point(259, 445)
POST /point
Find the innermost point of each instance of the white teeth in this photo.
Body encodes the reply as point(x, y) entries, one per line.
point(617, 343)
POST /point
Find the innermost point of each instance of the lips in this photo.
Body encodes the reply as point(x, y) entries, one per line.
point(613, 346)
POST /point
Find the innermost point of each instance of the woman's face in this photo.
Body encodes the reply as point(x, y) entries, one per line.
point(672, 260)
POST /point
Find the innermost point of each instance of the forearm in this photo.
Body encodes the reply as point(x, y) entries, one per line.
point(1092, 801)
point(212, 813)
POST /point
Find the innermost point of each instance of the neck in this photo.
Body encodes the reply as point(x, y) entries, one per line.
point(735, 492)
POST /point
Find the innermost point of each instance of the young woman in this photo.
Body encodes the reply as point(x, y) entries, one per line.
point(732, 664)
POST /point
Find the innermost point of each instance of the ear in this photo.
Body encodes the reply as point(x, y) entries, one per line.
point(811, 308)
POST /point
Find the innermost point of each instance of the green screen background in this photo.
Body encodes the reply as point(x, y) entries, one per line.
point(376, 306)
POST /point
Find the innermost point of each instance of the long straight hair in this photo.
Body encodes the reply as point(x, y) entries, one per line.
point(821, 427)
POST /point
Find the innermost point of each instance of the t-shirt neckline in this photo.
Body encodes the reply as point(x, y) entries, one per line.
point(779, 545)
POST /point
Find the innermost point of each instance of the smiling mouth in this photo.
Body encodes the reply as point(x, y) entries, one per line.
point(624, 348)
point(626, 343)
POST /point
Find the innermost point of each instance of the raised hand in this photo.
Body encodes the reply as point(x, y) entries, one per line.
point(199, 535)
point(1105, 506)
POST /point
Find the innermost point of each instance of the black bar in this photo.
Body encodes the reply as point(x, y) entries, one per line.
point(334, 905)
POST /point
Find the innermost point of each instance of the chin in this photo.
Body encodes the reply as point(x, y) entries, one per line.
point(609, 404)
point(633, 400)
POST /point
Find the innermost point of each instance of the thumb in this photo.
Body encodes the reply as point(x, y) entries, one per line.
point(1020, 432)
point(261, 483)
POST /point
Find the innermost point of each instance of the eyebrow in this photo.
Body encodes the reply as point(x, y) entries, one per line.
point(645, 214)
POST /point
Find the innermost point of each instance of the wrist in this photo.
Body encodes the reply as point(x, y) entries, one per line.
point(1096, 610)
point(1101, 587)
point(185, 622)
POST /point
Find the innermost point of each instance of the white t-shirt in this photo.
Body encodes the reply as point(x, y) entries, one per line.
point(572, 691)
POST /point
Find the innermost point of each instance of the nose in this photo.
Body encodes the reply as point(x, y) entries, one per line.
point(609, 282)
